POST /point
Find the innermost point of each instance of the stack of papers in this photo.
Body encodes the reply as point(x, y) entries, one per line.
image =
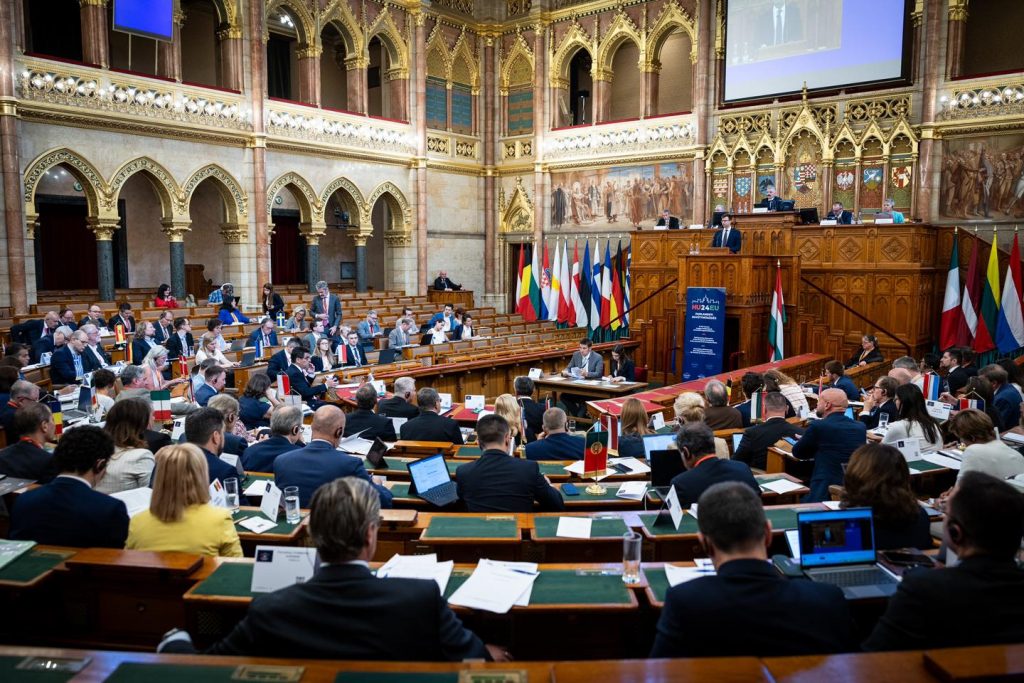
point(677, 575)
point(635, 466)
point(136, 500)
point(577, 468)
point(941, 460)
point(12, 550)
point(257, 525)
point(632, 490)
point(1013, 437)
point(781, 486)
point(574, 527)
point(497, 586)
point(355, 444)
point(258, 487)
point(418, 567)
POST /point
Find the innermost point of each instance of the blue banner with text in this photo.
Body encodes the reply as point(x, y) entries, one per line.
point(704, 339)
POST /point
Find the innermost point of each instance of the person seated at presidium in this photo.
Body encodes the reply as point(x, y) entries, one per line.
point(889, 211)
point(556, 443)
point(867, 354)
point(343, 611)
point(667, 220)
point(584, 364)
point(829, 442)
point(498, 482)
point(180, 517)
point(771, 201)
point(443, 283)
point(838, 215)
point(429, 425)
point(736, 536)
point(622, 366)
point(728, 236)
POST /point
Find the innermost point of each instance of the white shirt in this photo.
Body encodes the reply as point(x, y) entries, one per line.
point(902, 429)
point(76, 478)
point(437, 337)
point(994, 458)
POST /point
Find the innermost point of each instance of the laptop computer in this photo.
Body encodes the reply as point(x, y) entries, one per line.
point(386, 356)
point(431, 481)
point(665, 465)
point(375, 456)
point(238, 344)
point(658, 442)
point(84, 404)
point(248, 358)
point(838, 547)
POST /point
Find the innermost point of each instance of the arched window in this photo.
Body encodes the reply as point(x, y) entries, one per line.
point(437, 90)
point(53, 28)
point(333, 71)
point(624, 99)
point(376, 75)
point(581, 89)
point(200, 58)
point(282, 57)
point(675, 91)
point(462, 97)
point(519, 101)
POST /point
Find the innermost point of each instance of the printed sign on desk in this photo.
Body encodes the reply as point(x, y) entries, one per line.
point(705, 332)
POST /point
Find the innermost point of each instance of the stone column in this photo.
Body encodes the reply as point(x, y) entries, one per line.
point(258, 146)
point(917, 19)
point(703, 90)
point(649, 78)
point(826, 182)
point(701, 178)
point(956, 28)
point(490, 178)
point(601, 97)
point(175, 230)
point(309, 74)
point(229, 46)
point(14, 220)
point(360, 242)
point(928, 149)
point(358, 98)
point(104, 229)
point(168, 54)
point(545, 116)
point(420, 162)
point(857, 172)
point(95, 45)
point(313, 260)
point(398, 93)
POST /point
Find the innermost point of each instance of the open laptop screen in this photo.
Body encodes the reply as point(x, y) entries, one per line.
point(658, 442)
point(836, 537)
point(85, 399)
point(429, 472)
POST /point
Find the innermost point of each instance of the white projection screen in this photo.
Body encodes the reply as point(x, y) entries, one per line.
point(774, 46)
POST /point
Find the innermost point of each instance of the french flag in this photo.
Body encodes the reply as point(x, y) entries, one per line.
point(930, 386)
point(971, 404)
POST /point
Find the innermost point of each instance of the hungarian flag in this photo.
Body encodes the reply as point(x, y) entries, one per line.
point(161, 405)
point(931, 386)
point(973, 332)
point(1010, 326)
point(617, 300)
point(990, 296)
point(585, 281)
point(757, 406)
point(952, 310)
point(577, 312)
point(526, 308)
point(776, 338)
point(519, 277)
point(342, 355)
point(284, 386)
point(595, 454)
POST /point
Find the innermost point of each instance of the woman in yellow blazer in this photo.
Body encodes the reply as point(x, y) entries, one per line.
point(180, 516)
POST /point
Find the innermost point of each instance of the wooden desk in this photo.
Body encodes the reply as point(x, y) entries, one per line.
point(283, 533)
point(877, 667)
point(596, 389)
point(717, 669)
point(461, 297)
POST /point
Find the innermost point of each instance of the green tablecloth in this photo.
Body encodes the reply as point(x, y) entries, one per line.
point(250, 477)
point(472, 527)
point(9, 673)
point(469, 452)
point(135, 672)
point(545, 527)
point(923, 466)
point(688, 525)
point(566, 587)
point(283, 527)
point(395, 677)
point(658, 582)
point(32, 565)
point(400, 489)
point(231, 579)
point(783, 518)
point(609, 494)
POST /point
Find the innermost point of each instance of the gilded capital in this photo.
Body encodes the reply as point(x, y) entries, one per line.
point(93, 3)
point(230, 33)
point(234, 233)
point(309, 52)
point(104, 228)
point(175, 229)
point(958, 10)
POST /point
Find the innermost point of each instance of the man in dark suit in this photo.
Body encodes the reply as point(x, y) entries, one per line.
point(881, 400)
point(93, 317)
point(124, 318)
point(214, 379)
point(67, 511)
point(719, 414)
point(533, 411)
point(285, 433)
point(729, 236)
point(164, 327)
point(26, 458)
point(667, 220)
point(280, 361)
point(263, 336)
point(327, 307)
point(829, 441)
point(442, 283)
point(320, 462)
point(31, 330)
point(753, 448)
point(771, 201)
point(837, 379)
point(980, 600)
point(747, 608)
point(1005, 397)
point(400, 404)
point(300, 383)
point(556, 443)
point(696, 444)
point(181, 342)
point(498, 482)
point(143, 345)
point(343, 611)
point(838, 215)
point(365, 422)
point(69, 363)
point(428, 425)
point(956, 375)
point(205, 428)
point(352, 354)
point(93, 355)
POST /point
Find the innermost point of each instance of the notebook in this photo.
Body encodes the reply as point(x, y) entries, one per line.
point(838, 547)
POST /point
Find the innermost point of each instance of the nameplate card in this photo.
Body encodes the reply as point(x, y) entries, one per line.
point(674, 507)
point(536, 373)
point(270, 504)
point(939, 410)
point(696, 226)
point(378, 385)
point(910, 448)
point(883, 221)
point(218, 496)
point(658, 421)
point(759, 209)
point(475, 402)
point(178, 429)
point(446, 401)
point(829, 221)
point(278, 567)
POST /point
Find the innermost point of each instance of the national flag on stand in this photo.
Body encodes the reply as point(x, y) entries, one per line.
point(58, 416)
point(777, 321)
point(566, 311)
point(1010, 326)
point(545, 286)
point(259, 346)
point(990, 294)
point(519, 278)
point(129, 354)
point(526, 308)
point(973, 332)
point(757, 406)
point(606, 288)
point(595, 292)
point(284, 385)
point(970, 404)
point(952, 307)
point(585, 282)
point(595, 454)
point(342, 354)
point(931, 386)
point(161, 405)
point(555, 295)
point(616, 303)
point(535, 291)
point(628, 258)
point(578, 313)
point(119, 334)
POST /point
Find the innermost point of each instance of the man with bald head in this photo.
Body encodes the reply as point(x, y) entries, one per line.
point(829, 441)
point(320, 461)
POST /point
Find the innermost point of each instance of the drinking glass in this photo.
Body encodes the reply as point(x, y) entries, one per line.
point(631, 545)
point(231, 492)
point(291, 505)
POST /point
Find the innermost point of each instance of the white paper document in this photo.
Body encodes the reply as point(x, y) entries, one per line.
point(574, 527)
point(1013, 437)
point(677, 575)
point(418, 567)
point(536, 373)
point(577, 468)
point(494, 587)
point(475, 401)
point(397, 422)
point(832, 504)
point(257, 525)
point(136, 500)
point(635, 466)
point(632, 490)
point(782, 486)
point(258, 487)
point(658, 421)
point(280, 566)
point(355, 444)
point(941, 460)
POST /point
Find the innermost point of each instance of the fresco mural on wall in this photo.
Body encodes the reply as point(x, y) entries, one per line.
point(620, 197)
point(983, 177)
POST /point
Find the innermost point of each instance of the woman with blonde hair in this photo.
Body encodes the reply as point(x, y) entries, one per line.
point(153, 366)
point(210, 349)
point(633, 427)
point(298, 322)
point(131, 465)
point(323, 359)
point(180, 517)
point(776, 380)
point(508, 407)
point(689, 407)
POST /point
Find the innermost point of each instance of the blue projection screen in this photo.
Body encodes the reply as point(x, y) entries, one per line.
point(774, 46)
point(149, 18)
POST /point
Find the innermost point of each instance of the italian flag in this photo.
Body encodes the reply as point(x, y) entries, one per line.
point(757, 406)
point(161, 405)
point(952, 308)
point(776, 344)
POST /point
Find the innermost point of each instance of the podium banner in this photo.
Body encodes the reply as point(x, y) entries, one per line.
point(704, 337)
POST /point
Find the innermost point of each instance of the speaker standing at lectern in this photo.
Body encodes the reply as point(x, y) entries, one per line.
point(667, 220)
point(728, 236)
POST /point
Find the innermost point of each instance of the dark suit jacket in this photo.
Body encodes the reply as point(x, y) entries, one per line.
point(139, 350)
point(91, 361)
point(218, 468)
point(7, 421)
point(915, 534)
point(673, 222)
point(235, 445)
point(345, 612)
point(497, 482)
point(829, 442)
point(333, 309)
point(351, 355)
point(257, 334)
point(533, 413)
point(871, 419)
point(1007, 404)
point(260, 456)
point(161, 335)
point(62, 366)
point(174, 345)
point(319, 463)
point(251, 412)
point(68, 512)
point(773, 204)
point(276, 306)
point(396, 406)
point(978, 602)
point(560, 446)
point(848, 387)
point(631, 446)
point(301, 385)
point(27, 332)
point(723, 417)
point(874, 356)
point(156, 440)
point(842, 218)
point(956, 379)
point(626, 370)
point(25, 460)
point(443, 283)
point(429, 426)
point(753, 448)
point(691, 483)
point(371, 425)
point(277, 363)
point(127, 323)
point(746, 609)
point(204, 394)
point(41, 346)
point(734, 243)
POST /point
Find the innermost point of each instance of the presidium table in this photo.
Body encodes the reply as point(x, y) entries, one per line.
point(839, 282)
